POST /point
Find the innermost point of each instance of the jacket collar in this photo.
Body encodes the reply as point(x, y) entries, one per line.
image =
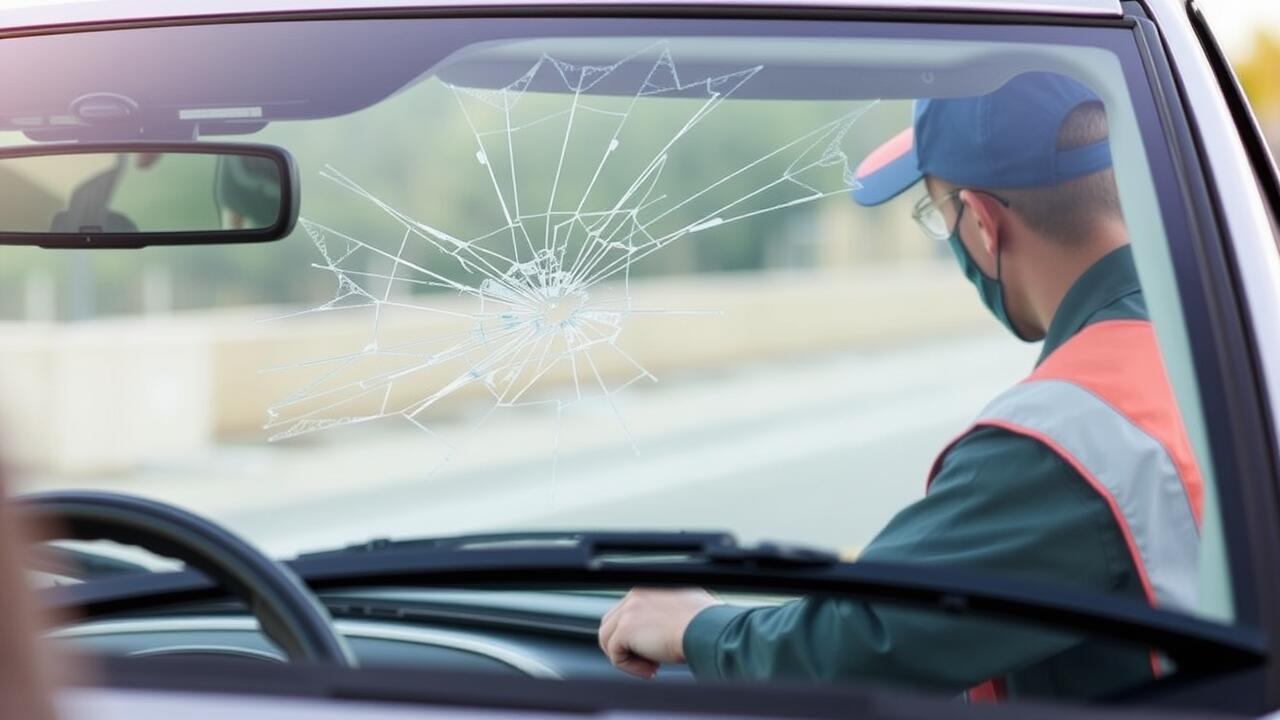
point(1108, 280)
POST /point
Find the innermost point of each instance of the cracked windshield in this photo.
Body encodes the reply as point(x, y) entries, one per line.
point(542, 284)
point(567, 275)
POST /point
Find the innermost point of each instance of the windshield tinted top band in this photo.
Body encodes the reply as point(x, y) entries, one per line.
point(86, 13)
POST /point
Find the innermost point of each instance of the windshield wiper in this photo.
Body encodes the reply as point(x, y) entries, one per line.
point(715, 547)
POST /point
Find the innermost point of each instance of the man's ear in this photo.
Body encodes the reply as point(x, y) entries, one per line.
point(988, 215)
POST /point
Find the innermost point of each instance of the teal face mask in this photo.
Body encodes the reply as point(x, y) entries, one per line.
point(990, 290)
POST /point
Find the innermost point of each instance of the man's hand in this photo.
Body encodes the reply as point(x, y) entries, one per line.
point(647, 628)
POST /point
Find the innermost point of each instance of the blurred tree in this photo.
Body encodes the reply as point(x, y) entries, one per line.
point(1257, 72)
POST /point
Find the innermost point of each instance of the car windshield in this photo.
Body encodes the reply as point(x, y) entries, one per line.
point(566, 274)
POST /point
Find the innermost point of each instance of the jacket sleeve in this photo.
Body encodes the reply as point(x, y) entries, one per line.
point(1000, 503)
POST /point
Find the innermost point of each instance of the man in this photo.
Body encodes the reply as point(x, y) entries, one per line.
point(1081, 475)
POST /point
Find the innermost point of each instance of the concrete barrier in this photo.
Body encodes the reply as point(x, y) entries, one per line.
point(105, 396)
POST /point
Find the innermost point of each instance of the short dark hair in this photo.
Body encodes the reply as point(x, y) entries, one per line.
point(1065, 212)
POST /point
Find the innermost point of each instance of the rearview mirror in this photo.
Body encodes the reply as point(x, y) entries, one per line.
point(139, 194)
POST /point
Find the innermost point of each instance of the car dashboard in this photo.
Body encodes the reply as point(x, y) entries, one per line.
point(546, 635)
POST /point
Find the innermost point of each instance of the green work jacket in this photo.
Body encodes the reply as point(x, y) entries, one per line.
point(1001, 503)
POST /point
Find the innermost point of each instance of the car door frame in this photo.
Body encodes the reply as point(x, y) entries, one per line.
point(1229, 278)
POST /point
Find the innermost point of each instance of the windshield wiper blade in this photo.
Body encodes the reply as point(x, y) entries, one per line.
point(544, 538)
point(714, 546)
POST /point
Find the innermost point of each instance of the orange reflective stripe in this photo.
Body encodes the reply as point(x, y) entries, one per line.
point(1119, 361)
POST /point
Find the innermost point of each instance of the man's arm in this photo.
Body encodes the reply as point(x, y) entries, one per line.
point(1001, 503)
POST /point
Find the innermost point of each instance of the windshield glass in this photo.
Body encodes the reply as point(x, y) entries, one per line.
point(625, 274)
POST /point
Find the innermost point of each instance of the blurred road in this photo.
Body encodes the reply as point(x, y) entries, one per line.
point(823, 451)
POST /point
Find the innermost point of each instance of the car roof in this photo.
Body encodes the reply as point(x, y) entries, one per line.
point(43, 13)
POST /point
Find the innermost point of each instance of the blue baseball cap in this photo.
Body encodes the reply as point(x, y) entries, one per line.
point(1005, 139)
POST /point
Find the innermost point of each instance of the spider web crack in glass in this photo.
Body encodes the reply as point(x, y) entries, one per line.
point(538, 302)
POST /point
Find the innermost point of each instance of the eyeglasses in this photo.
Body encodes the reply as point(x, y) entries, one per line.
point(929, 216)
